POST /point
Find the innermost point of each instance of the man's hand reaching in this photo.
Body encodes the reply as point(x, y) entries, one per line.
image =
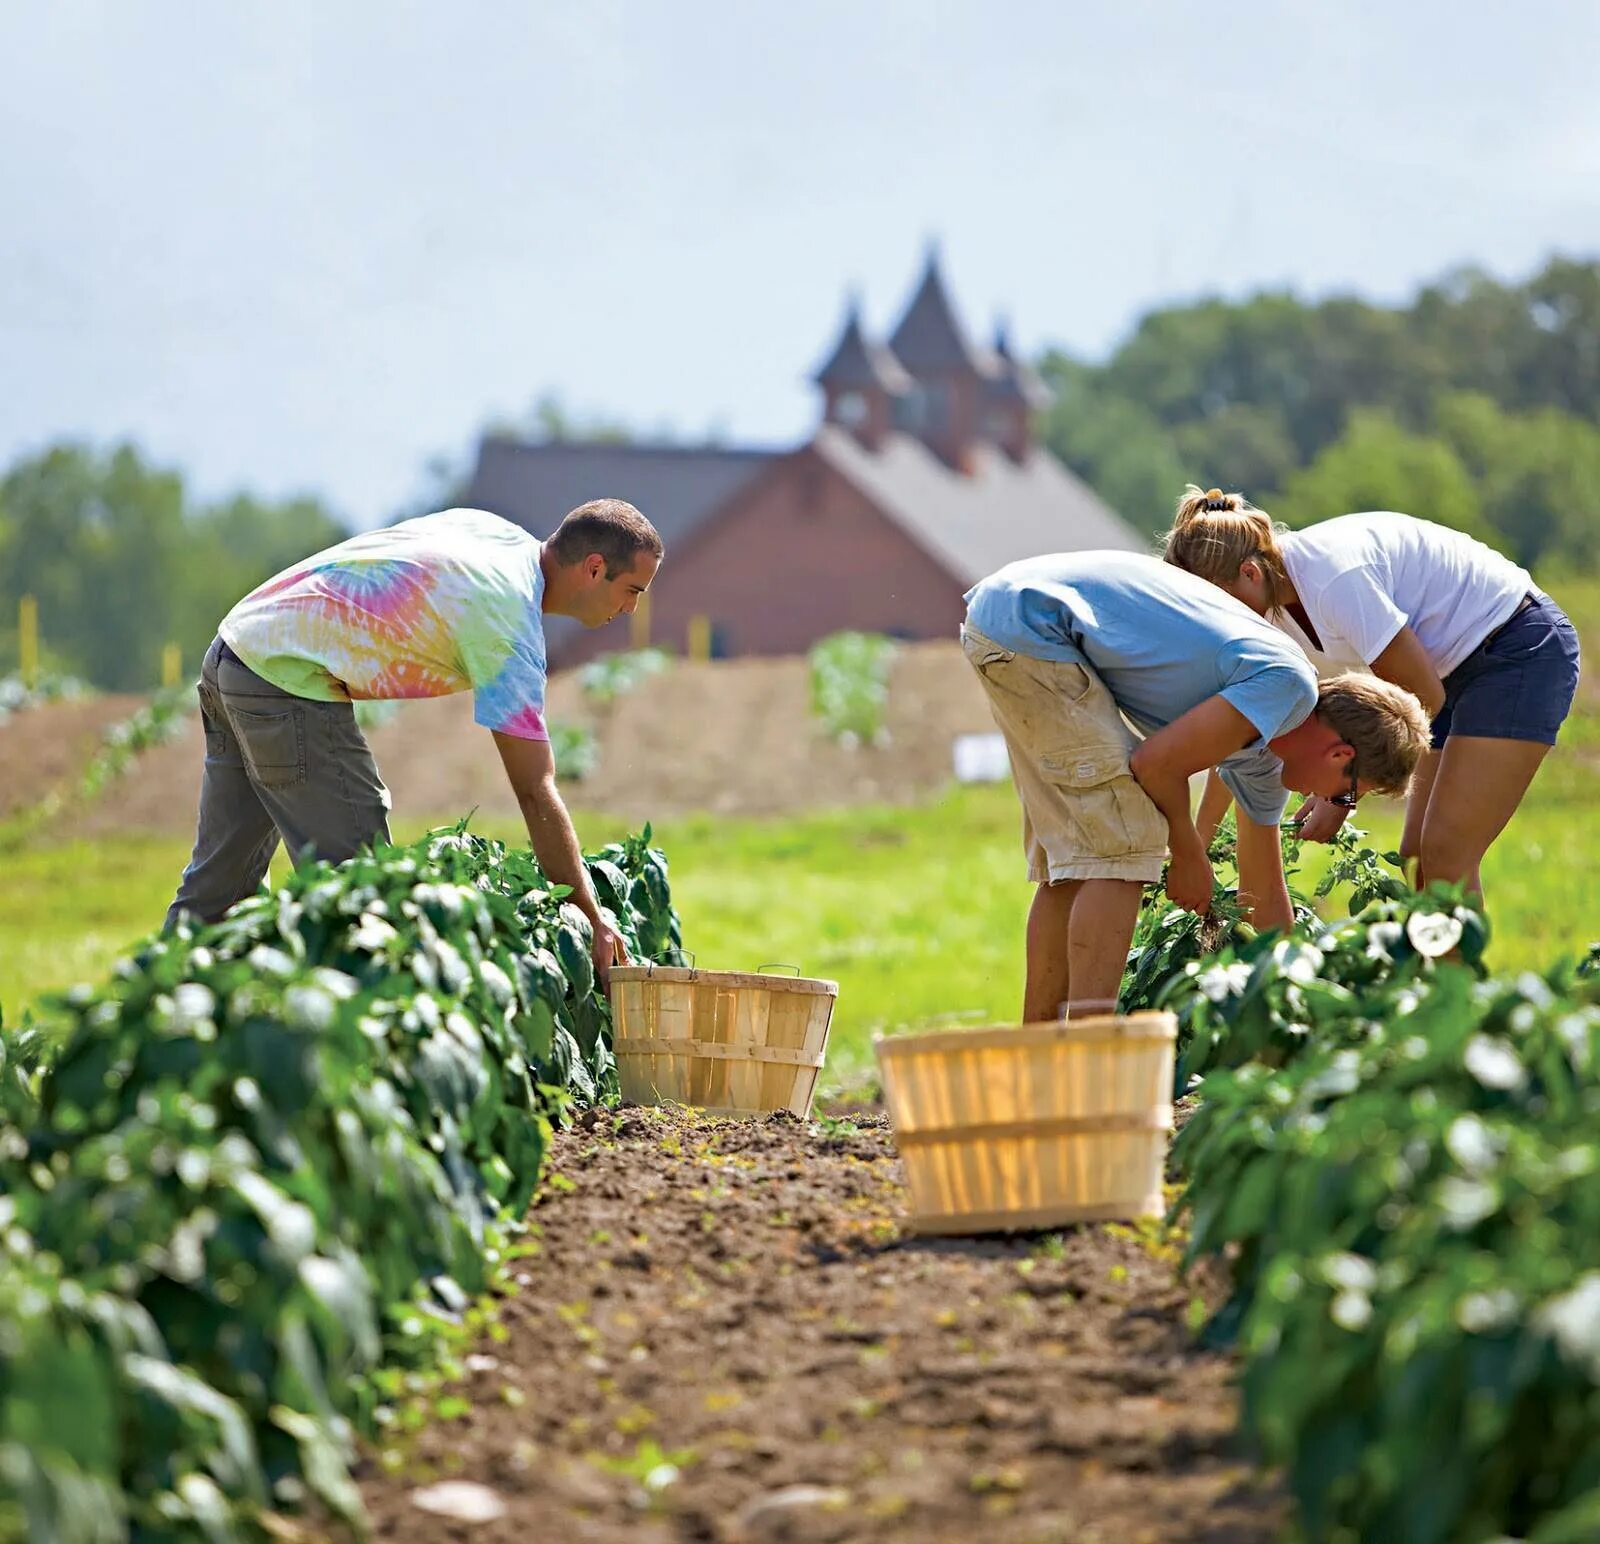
point(1319, 820)
point(607, 950)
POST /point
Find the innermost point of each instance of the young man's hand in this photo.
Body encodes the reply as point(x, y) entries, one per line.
point(1320, 820)
point(1190, 881)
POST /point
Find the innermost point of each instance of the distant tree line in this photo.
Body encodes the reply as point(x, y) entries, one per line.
point(1478, 405)
point(122, 560)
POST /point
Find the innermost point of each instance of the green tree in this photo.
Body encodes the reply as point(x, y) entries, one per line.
point(1242, 447)
point(1537, 474)
point(121, 564)
point(1379, 465)
point(1117, 447)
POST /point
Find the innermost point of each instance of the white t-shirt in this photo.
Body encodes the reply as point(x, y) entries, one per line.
point(1361, 578)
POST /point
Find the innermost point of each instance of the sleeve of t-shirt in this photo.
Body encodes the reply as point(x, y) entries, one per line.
point(1255, 779)
point(512, 702)
point(1358, 608)
point(1272, 684)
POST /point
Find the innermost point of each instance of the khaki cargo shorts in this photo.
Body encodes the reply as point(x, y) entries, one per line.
point(1083, 815)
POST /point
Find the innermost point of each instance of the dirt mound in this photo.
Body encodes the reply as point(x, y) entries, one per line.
point(729, 737)
point(45, 749)
point(736, 1300)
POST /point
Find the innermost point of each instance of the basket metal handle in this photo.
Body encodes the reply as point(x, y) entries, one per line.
point(776, 965)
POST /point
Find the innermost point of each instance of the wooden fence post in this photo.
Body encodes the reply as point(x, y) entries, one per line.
point(28, 641)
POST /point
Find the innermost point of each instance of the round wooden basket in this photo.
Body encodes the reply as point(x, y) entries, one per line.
point(1033, 1126)
point(729, 1042)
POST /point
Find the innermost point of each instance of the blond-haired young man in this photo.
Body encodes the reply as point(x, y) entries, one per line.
point(1072, 649)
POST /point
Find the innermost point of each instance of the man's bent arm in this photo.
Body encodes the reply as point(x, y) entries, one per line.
point(531, 770)
point(1163, 765)
point(1263, 891)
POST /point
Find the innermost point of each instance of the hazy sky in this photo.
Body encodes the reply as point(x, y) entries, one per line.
point(307, 244)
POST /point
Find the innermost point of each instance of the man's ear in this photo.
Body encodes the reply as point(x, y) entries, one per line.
point(594, 566)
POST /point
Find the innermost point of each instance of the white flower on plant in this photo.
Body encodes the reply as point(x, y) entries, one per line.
point(193, 1003)
point(1223, 981)
point(1382, 940)
point(1493, 1063)
point(1572, 1320)
point(1349, 1272)
point(1433, 933)
point(1481, 1312)
point(1466, 1202)
point(1351, 1311)
point(1472, 1145)
point(1298, 960)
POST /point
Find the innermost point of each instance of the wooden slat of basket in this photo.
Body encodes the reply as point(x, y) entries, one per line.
point(728, 980)
point(715, 1050)
point(1158, 1119)
point(1085, 1032)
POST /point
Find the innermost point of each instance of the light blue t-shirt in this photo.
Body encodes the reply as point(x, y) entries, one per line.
point(1163, 641)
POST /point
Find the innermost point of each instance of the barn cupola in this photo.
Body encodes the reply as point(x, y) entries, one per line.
point(944, 408)
point(1012, 395)
point(861, 383)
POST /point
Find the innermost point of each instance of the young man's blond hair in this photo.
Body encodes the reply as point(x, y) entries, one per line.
point(1383, 723)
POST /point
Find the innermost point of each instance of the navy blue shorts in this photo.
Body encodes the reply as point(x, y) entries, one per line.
point(1518, 683)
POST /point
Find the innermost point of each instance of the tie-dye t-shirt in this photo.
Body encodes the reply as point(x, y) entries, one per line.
point(444, 603)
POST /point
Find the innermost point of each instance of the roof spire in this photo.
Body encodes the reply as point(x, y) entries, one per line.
point(1015, 380)
point(930, 339)
point(857, 365)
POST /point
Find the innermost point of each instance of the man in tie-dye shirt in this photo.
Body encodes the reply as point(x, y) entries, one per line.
point(446, 603)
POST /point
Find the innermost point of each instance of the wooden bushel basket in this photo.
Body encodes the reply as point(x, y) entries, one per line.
point(723, 1041)
point(1033, 1126)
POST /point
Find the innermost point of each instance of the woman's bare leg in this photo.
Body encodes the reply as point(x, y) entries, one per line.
point(1422, 781)
point(1480, 783)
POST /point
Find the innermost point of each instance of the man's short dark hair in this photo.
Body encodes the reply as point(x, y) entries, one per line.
point(611, 527)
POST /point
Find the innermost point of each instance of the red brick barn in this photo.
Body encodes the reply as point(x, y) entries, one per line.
point(921, 478)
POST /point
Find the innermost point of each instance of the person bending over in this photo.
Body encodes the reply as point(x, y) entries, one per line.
point(1489, 655)
point(1071, 648)
point(444, 603)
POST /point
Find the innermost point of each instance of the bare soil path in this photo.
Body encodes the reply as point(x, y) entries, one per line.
point(737, 1301)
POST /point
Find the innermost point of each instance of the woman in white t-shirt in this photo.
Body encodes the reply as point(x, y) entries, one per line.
point(1489, 655)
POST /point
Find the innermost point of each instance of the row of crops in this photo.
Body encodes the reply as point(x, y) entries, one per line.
point(1397, 1160)
point(275, 1162)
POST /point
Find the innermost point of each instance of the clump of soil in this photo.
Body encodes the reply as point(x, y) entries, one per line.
point(726, 1335)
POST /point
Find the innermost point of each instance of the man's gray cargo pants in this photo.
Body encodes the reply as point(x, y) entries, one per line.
point(276, 766)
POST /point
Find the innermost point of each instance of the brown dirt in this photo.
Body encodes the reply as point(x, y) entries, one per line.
point(729, 737)
point(42, 749)
point(741, 1295)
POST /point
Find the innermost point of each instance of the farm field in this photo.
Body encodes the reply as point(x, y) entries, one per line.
point(724, 1330)
point(917, 912)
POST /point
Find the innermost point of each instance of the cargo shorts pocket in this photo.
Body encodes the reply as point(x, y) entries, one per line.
point(274, 745)
point(1114, 815)
point(983, 653)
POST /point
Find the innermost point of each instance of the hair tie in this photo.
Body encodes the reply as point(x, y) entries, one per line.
point(1215, 500)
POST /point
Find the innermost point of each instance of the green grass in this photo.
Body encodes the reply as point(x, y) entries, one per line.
point(917, 913)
